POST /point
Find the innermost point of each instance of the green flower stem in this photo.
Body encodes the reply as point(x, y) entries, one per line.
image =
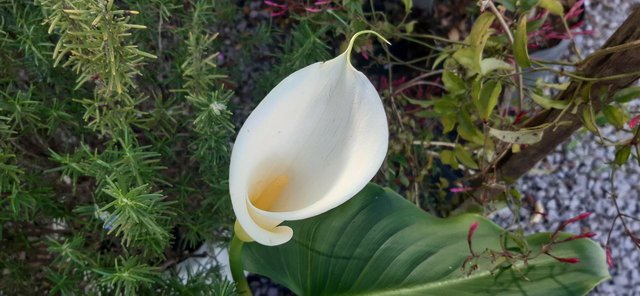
point(353, 39)
point(235, 262)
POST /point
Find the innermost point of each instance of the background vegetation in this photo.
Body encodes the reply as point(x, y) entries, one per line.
point(117, 118)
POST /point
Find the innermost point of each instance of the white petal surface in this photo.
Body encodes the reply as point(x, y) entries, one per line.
point(314, 142)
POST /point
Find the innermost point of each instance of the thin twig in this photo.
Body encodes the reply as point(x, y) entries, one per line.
point(504, 25)
point(412, 84)
point(614, 198)
point(434, 37)
point(622, 47)
point(434, 143)
point(573, 41)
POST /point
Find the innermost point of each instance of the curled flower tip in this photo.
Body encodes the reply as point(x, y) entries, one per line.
point(609, 257)
point(353, 39)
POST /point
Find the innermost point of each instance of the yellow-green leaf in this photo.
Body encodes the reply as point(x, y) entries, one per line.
point(453, 83)
point(443, 56)
point(466, 57)
point(479, 35)
point(627, 94)
point(520, 44)
point(549, 103)
point(517, 137)
point(622, 154)
point(467, 130)
point(465, 158)
point(408, 5)
point(448, 123)
point(445, 106)
point(587, 120)
point(553, 6)
point(488, 98)
point(410, 26)
point(614, 115)
point(476, 86)
point(470, 57)
point(489, 65)
point(447, 157)
point(480, 30)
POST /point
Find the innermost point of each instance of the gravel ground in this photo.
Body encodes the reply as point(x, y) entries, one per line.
point(576, 177)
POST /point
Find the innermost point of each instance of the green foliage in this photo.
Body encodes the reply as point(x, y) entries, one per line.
point(486, 105)
point(202, 283)
point(109, 176)
point(20, 109)
point(379, 244)
point(127, 276)
point(520, 44)
point(137, 215)
point(9, 171)
point(628, 94)
point(93, 39)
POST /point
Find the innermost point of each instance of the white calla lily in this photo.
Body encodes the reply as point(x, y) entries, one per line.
point(314, 142)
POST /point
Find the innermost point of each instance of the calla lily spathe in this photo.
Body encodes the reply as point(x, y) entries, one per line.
point(314, 142)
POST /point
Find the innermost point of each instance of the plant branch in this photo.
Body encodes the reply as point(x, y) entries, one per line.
point(507, 31)
point(511, 166)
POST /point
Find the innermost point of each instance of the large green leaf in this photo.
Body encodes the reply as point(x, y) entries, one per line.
point(380, 244)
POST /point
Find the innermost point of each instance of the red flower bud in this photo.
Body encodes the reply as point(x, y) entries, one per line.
point(573, 220)
point(519, 117)
point(634, 121)
point(609, 257)
point(472, 229)
point(568, 260)
point(579, 217)
point(579, 236)
point(565, 260)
